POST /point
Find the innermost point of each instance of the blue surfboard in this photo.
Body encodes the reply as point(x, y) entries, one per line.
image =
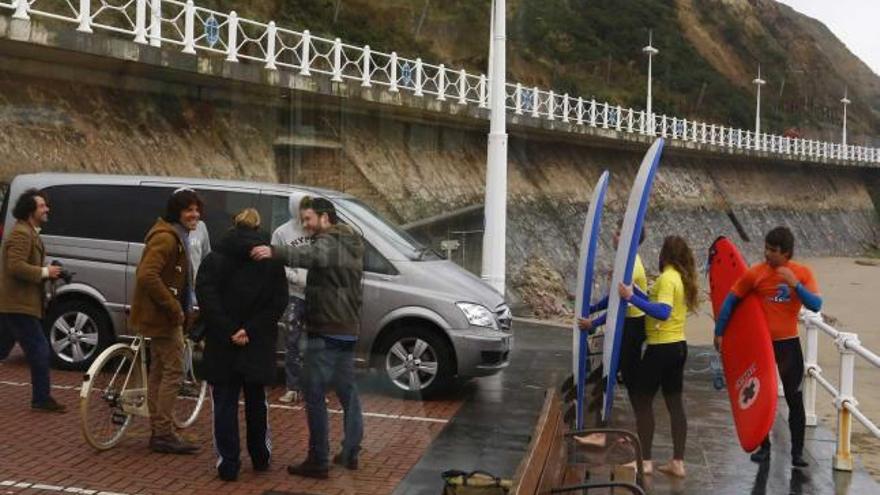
point(586, 262)
point(624, 261)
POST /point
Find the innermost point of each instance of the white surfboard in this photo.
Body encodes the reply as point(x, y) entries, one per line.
point(624, 261)
point(586, 263)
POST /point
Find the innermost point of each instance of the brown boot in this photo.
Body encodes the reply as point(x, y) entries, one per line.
point(171, 444)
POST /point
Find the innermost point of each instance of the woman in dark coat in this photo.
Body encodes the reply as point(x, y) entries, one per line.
point(240, 301)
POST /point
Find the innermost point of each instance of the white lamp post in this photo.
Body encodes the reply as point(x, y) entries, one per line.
point(758, 82)
point(650, 51)
point(845, 102)
point(495, 230)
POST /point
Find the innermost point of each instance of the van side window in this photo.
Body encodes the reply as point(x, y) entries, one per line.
point(90, 211)
point(376, 263)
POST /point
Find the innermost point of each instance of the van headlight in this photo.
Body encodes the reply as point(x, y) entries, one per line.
point(478, 315)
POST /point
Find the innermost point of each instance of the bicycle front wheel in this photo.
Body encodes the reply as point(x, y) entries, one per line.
point(193, 390)
point(113, 389)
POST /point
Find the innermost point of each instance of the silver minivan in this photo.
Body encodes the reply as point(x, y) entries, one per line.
point(425, 320)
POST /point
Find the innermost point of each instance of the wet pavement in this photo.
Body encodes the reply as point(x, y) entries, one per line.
point(492, 428)
point(484, 424)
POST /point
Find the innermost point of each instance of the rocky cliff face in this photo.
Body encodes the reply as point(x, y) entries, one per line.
point(413, 169)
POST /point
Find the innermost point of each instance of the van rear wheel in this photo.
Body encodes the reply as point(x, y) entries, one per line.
point(416, 361)
point(77, 332)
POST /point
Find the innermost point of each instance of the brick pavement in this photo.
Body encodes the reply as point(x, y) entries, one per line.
point(45, 453)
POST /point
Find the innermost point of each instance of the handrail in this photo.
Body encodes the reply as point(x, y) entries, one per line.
point(848, 345)
point(197, 29)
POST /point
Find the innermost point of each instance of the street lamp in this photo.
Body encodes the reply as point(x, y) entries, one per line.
point(845, 102)
point(758, 82)
point(650, 51)
point(495, 209)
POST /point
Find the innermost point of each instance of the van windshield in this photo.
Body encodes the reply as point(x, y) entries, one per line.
point(405, 243)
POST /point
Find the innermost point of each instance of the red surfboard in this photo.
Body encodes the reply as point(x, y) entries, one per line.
point(746, 351)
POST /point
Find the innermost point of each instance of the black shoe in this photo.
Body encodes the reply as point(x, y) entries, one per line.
point(350, 463)
point(227, 476)
point(798, 461)
point(50, 405)
point(261, 466)
point(761, 455)
point(171, 444)
point(309, 470)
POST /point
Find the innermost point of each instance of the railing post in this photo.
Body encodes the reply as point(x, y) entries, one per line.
point(85, 16)
point(704, 133)
point(188, 28)
point(642, 122)
point(393, 76)
point(156, 23)
point(140, 22)
point(674, 127)
point(811, 366)
point(605, 115)
point(536, 102)
point(271, 35)
point(617, 121)
point(418, 91)
point(365, 70)
point(462, 87)
point(232, 41)
point(483, 99)
point(592, 112)
point(517, 100)
point(629, 121)
point(305, 53)
point(580, 111)
point(663, 123)
point(843, 456)
point(551, 106)
point(565, 108)
point(21, 10)
point(337, 60)
point(441, 83)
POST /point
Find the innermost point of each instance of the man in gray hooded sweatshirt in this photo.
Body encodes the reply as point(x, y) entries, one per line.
point(291, 234)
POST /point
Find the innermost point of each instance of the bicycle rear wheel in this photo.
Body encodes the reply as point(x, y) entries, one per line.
point(112, 392)
point(193, 391)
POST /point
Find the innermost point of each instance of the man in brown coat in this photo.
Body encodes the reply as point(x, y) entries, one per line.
point(163, 297)
point(22, 274)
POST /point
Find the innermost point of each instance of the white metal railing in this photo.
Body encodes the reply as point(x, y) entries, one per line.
point(196, 29)
point(848, 345)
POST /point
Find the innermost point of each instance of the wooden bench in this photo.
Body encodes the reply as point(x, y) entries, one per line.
point(548, 468)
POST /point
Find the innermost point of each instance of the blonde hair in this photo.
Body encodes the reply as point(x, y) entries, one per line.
point(248, 217)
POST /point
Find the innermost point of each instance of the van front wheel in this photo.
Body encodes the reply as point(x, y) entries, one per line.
point(77, 332)
point(417, 361)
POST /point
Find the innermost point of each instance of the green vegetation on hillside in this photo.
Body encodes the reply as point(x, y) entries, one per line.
point(592, 48)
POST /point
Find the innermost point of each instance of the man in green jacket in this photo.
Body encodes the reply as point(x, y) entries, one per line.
point(334, 295)
point(22, 275)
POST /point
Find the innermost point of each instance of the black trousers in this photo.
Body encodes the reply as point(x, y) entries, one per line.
point(662, 367)
point(790, 362)
point(256, 412)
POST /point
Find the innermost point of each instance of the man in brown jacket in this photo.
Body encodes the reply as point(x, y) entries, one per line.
point(163, 297)
point(22, 274)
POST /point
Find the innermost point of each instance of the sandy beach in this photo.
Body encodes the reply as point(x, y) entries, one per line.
point(849, 291)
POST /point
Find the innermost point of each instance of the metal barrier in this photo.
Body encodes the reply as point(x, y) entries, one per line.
point(196, 29)
point(848, 346)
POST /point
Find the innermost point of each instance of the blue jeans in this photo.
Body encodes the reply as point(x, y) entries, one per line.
point(330, 362)
point(28, 331)
point(293, 316)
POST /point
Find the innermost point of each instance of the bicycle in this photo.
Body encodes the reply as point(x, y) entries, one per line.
point(114, 391)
